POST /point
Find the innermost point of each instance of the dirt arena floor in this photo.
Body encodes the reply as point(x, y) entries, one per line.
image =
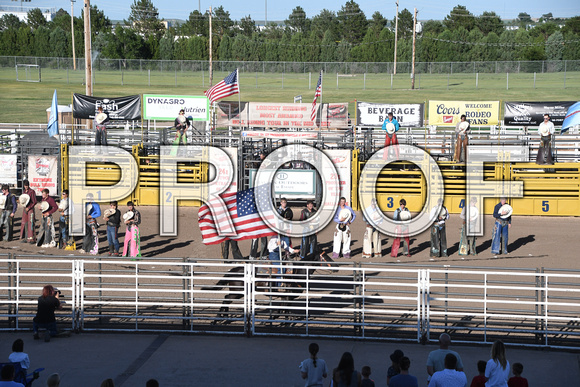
point(534, 242)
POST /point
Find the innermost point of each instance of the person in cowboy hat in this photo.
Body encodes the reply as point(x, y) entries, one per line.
point(372, 236)
point(48, 207)
point(27, 201)
point(503, 222)
point(9, 209)
point(91, 239)
point(546, 131)
point(391, 137)
point(65, 208)
point(113, 219)
point(402, 231)
point(181, 124)
point(342, 231)
point(101, 120)
point(439, 214)
point(132, 242)
point(462, 130)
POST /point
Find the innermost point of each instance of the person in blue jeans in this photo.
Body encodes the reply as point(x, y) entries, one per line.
point(503, 222)
point(47, 304)
point(275, 254)
point(113, 219)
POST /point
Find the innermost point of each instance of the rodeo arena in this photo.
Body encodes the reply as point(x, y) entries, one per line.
point(186, 238)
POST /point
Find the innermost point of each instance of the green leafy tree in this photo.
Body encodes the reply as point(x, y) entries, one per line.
point(377, 23)
point(166, 46)
point(10, 21)
point(507, 42)
point(459, 17)
point(572, 25)
point(35, 18)
point(492, 48)
point(475, 52)
point(42, 41)
point(405, 27)
point(432, 27)
point(248, 26)
point(272, 31)
point(555, 46)
point(222, 23)
point(59, 45)
point(124, 43)
point(197, 24)
point(490, 22)
point(99, 22)
point(352, 22)
point(325, 21)
point(524, 17)
point(297, 20)
point(544, 30)
point(547, 16)
point(144, 18)
point(328, 47)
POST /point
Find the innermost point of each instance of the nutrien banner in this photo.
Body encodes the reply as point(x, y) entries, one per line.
point(448, 113)
point(374, 114)
point(532, 113)
point(167, 107)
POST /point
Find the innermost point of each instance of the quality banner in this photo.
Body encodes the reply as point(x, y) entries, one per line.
point(43, 173)
point(281, 115)
point(532, 113)
point(167, 107)
point(117, 108)
point(448, 113)
point(374, 114)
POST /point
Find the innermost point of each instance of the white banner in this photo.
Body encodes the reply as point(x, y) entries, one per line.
point(167, 107)
point(292, 183)
point(341, 160)
point(8, 169)
point(374, 114)
point(270, 134)
point(43, 173)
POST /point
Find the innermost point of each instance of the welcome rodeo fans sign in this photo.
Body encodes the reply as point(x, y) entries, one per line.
point(448, 113)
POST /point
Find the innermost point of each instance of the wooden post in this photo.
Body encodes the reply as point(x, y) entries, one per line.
point(72, 32)
point(88, 59)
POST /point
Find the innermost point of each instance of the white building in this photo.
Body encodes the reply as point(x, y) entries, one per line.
point(22, 12)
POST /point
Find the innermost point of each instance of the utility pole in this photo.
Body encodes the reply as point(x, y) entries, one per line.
point(72, 32)
point(396, 35)
point(266, 14)
point(88, 54)
point(210, 49)
point(413, 65)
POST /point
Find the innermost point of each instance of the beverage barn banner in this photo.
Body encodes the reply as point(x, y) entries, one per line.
point(374, 114)
point(118, 108)
point(281, 115)
point(167, 107)
point(448, 113)
point(532, 113)
point(43, 173)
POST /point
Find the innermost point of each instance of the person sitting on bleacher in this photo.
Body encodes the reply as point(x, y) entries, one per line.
point(7, 377)
point(18, 355)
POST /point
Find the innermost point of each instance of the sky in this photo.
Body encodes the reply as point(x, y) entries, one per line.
point(279, 10)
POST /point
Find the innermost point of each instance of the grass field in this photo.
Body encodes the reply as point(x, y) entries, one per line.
point(26, 102)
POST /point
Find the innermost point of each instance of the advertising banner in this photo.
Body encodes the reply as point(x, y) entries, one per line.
point(167, 107)
point(8, 169)
point(285, 135)
point(292, 183)
point(341, 160)
point(532, 113)
point(374, 114)
point(448, 113)
point(118, 108)
point(43, 173)
point(281, 115)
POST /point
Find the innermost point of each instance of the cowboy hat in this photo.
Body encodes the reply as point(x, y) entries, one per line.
point(63, 205)
point(24, 199)
point(443, 213)
point(109, 212)
point(344, 215)
point(376, 216)
point(404, 215)
point(100, 118)
point(463, 125)
point(181, 118)
point(505, 211)
point(473, 213)
point(2, 201)
point(390, 128)
point(128, 215)
point(44, 206)
point(89, 208)
point(543, 130)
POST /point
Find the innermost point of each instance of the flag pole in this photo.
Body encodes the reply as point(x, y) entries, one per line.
point(321, 106)
point(239, 99)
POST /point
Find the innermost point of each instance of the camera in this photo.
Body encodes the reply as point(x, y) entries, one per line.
point(57, 293)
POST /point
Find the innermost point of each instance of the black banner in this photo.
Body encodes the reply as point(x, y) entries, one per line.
point(532, 113)
point(118, 108)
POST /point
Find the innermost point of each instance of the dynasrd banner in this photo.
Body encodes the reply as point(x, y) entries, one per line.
point(532, 113)
point(374, 114)
point(118, 108)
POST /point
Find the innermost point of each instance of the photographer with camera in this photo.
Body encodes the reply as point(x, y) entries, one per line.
point(47, 304)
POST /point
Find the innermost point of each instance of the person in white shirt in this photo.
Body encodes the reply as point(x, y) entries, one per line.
point(497, 369)
point(18, 355)
point(449, 377)
point(313, 369)
point(276, 247)
point(438, 235)
point(546, 131)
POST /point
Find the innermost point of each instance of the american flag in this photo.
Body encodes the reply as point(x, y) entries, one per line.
point(242, 211)
point(229, 86)
point(317, 94)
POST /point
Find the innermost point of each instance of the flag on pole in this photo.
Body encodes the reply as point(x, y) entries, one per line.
point(53, 120)
point(244, 214)
point(228, 86)
point(572, 118)
point(317, 93)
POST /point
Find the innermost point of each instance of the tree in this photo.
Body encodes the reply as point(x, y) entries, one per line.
point(247, 26)
point(59, 45)
point(42, 41)
point(555, 46)
point(35, 18)
point(328, 47)
point(325, 21)
point(196, 25)
point(352, 22)
point(166, 45)
point(377, 23)
point(144, 18)
point(544, 30)
point(99, 22)
point(432, 27)
point(547, 16)
point(297, 20)
point(272, 31)
point(572, 25)
point(222, 23)
point(10, 21)
point(405, 27)
point(490, 22)
point(459, 17)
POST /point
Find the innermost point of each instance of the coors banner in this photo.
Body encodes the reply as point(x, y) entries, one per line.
point(374, 114)
point(118, 108)
point(532, 113)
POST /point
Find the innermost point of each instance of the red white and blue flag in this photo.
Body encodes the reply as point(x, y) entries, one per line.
point(243, 213)
point(228, 86)
point(317, 93)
